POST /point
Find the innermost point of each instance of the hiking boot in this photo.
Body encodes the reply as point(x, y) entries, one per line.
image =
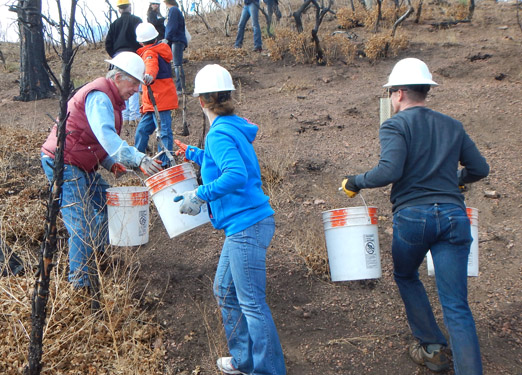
point(258, 49)
point(436, 361)
point(224, 364)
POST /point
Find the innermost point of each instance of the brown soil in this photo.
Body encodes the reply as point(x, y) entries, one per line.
point(317, 124)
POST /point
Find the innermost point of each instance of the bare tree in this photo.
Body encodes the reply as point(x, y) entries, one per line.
point(320, 12)
point(48, 247)
point(34, 80)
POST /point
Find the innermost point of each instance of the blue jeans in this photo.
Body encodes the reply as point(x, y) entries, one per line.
point(250, 10)
point(147, 126)
point(132, 108)
point(239, 287)
point(177, 62)
point(445, 229)
point(84, 213)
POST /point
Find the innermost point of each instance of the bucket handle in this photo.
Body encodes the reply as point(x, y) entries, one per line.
point(366, 211)
point(365, 205)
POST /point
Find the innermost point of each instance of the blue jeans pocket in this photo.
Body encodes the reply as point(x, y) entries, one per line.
point(460, 232)
point(408, 228)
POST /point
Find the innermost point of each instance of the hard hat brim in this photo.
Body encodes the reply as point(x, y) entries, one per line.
point(122, 69)
point(427, 82)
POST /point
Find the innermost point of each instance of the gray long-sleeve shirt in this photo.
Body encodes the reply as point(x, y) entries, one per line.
point(420, 154)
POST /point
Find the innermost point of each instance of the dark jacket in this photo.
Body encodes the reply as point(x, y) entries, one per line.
point(175, 29)
point(158, 21)
point(420, 154)
point(122, 35)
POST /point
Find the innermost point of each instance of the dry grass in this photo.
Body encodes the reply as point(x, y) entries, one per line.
point(120, 339)
point(219, 53)
point(311, 247)
point(276, 164)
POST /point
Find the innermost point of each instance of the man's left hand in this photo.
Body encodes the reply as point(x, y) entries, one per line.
point(349, 186)
point(118, 170)
point(147, 79)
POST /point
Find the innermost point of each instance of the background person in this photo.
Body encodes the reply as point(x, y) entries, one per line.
point(177, 39)
point(237, 204)
point(250, 9)
point(122, 37)
point(92, 139)
point(158, 75)
point(420, 154)
point(155, 18)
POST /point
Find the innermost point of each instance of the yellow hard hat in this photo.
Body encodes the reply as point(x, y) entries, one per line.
point(122, 2)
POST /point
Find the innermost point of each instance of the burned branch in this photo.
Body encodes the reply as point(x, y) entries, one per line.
point(49, 242)
point(320, 12)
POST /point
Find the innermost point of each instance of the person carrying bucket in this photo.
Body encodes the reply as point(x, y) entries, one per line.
point(420, 154)
point(237, 204)
point(92, 139)
point(157, 58)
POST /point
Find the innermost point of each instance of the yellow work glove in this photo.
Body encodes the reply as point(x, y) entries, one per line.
point(349, 186)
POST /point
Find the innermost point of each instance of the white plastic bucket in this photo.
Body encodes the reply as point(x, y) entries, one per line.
point(473, 258)
point(352, 243)
point(128, 212)
point(167, 184)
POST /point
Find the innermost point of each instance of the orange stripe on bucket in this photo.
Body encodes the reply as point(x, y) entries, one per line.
point(159, 185)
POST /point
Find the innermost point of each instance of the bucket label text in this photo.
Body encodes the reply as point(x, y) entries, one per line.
point(143, 220)
point(370, 251)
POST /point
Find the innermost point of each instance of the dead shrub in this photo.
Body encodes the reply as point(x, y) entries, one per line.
point(458, 11)
point(279, 45)
point(348, 19)
point(380, 46)
point(338, 47)
point(302, 47)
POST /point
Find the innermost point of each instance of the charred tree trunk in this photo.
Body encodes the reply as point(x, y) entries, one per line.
point(34, 80)
point(320, 12)
point(419, 11)
point(48, 247)
point(471, 9)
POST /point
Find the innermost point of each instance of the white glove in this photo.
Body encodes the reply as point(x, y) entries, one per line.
point(150, 166)
point(191, 204)
point(164, 41)
point(147, 78)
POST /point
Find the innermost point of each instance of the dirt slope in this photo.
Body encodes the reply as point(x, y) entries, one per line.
point(316, 125)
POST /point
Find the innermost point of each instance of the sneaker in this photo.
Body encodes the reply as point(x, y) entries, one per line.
point(436, 361)
point(224, 364)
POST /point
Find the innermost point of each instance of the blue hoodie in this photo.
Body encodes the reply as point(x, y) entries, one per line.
point(231, 175)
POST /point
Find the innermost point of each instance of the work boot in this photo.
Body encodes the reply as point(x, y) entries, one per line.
point(436, 361)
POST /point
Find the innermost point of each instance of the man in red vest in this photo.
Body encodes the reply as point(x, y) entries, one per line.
point(93, 128)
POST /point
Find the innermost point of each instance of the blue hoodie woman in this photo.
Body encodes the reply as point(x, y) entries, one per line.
point(237, 204)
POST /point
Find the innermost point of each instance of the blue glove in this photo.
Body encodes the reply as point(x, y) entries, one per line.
point(191, 204)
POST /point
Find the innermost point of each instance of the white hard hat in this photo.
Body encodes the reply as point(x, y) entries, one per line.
point(155, 2)
point(410, 71)
point(145, 32)
point(130, 63)
point(213, 78)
